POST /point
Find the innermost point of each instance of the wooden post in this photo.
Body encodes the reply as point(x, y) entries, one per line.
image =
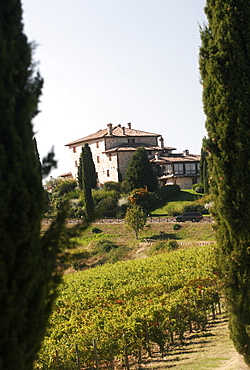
point(139, 358)
point(78, 362)
point(57, 359)
point(126, 360)
point(147, 340)
point(96, 355)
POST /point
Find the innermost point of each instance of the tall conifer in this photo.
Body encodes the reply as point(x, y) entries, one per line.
point(27, 261)
point(85, 180)
point(225, 73)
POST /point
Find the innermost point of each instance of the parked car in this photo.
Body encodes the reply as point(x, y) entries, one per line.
point(189, 216)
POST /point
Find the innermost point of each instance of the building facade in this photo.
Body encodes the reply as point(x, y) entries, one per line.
point(113, 147)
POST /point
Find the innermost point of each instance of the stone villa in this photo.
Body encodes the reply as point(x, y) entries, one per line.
point(113, 147)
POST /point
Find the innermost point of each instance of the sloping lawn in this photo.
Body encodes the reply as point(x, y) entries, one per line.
point(178, 202)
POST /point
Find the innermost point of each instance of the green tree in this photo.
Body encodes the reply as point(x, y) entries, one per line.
point(135, 219)
point(27, 260)
point(225, 73)
point(85, 180)
point(89, 167)
point(204, 167)
point(140, 172)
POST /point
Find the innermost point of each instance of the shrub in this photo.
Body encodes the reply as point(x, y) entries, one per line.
point(176, 226)
point(104, 246)
point(96, 230)
point(107, 207)
point(195, 208)
point(163, 247)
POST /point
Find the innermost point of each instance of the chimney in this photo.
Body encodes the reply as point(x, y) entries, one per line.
point(123, 130)
point(185, 152)
point(129, 125)
point(109, 129)
point(161, 142)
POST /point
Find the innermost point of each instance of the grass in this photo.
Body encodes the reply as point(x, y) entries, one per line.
point(203, 351)
point(86, 253)
point(177, 203)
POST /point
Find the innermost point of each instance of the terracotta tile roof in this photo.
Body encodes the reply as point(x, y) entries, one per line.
point(116, 131)
point(133, 146)
point(176, 158)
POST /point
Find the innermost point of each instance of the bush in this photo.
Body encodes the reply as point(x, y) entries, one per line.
point(163, 247)
point(96, 230)
point(104, 246)
point(196, 208)
point(176, 226)
point(114, 186)
point(107, 207)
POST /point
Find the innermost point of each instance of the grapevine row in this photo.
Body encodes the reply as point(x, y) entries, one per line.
point(128, 307)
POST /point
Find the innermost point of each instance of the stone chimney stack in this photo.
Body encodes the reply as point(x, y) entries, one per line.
point(123, 130)
point(129, 125)
point(185, 152)
point(161, 145)
point(109, 129)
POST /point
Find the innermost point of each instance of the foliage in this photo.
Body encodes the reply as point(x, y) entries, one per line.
point(204, 167)
point(86, 179)
point(135, 219)
point(96, 230)
point(107, 207)
point(195, 207)
point(140, 173)
point(60, 192)
point(176, 226)
point(104, 246)
point(86, 168)
point(119, 187)
point(28, 273)
point(153, 301)
point(225, 76)
point(163, 247)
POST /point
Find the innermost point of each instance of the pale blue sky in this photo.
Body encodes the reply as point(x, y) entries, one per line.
point(117, 61)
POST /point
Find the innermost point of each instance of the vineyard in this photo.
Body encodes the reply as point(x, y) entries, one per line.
point(112, 315)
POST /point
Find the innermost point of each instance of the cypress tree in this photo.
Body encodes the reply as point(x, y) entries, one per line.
point(140, 172)
point(225, 74)
point(204, 167)
point(84, 180)
point(27, 260)
point(89, 168)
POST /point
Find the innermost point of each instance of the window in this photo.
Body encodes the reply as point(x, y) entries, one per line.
point(98, 159)
point(190, 168)
point(76, 165)
point(110, 157)
point(131, 140)
point(169, 169)
point(108, 173)
point(178, 168)
point(97, 144)
point(74, 149)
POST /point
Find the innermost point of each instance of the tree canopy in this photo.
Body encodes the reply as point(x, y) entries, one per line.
point(225, 75)
point(140, 172)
